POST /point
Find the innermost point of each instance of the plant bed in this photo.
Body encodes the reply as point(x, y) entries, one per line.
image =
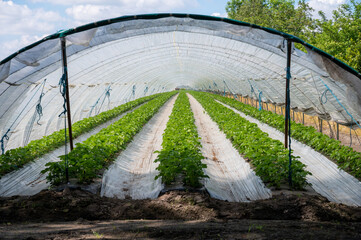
point(96, 153)
point(345, 157)
point(16, 158)
point(181, 152)
point(269, 157)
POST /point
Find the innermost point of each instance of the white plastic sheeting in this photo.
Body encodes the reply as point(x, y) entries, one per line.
point(326, 179)
point(230, 176)
point(133, 172)
point(29, 180)
point(140, 55)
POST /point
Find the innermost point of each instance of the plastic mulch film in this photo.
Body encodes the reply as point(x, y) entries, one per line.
point(114, 61)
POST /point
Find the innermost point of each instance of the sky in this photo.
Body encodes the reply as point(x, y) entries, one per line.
point(24, 22)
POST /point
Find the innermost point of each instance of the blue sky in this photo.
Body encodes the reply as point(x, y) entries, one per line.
point(24, 22)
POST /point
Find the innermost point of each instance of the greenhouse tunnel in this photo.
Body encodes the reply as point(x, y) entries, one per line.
point(113, 61)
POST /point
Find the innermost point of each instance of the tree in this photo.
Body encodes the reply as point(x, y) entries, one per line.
point(281, 15)
point(341, 35)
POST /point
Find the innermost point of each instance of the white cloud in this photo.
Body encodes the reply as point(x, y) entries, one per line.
point(125, 3)
point(332, 2)
point(20, 19)
point(89, 13)
point(74, 2)
point(92, 12)
point(9, 47)
point(327, 6)
point(216, 14)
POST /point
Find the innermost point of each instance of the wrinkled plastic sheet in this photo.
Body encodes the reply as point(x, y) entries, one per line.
point(141, 57)
point(327, 179)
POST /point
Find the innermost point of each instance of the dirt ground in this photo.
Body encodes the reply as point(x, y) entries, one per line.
point(77, 214)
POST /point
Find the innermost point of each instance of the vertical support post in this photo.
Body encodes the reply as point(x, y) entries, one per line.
point(287, 111)
point(65, 69)
point(65, 72)
point(321, 124)
point(287, 101)
point(303, 118)
point(337, 131)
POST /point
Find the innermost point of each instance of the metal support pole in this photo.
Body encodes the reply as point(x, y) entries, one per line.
point(321, 125)
point(65, 73)
point(287, 118)
point(337, 131)
point(65, 69)
point(287, 112)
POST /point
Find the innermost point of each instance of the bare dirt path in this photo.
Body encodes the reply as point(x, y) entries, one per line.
point(326, 179)
point(133, 172)
point(163, 229)
point(78, 214)
point(29, 180)
point(230, 176)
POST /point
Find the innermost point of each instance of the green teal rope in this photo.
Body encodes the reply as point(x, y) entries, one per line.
point(338, 101)
point(106, 95)
point(62, 89)
point(260, 100)
point(6, 136)
point(39, 108)
point(324, 96)
point(145, 90)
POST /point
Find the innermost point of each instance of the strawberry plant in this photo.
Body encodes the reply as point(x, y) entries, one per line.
point(344, 156)
point(181, 152)
point(16, 158)
point(99, 150)
point(268, 156)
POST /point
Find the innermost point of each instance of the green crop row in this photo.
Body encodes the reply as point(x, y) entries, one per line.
point(99, 150)
point(268, 156)
point(344, 156)
point(181, 152)
point(15, 158)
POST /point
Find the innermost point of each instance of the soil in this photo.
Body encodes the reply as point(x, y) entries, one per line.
point(77, 214)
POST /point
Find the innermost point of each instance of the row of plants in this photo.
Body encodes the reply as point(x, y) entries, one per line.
point(14, 159)
point(96, 153)
point(344, 156)
point(268, 156)
point(181, 154)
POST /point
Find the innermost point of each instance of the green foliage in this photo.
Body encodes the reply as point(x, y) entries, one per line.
point(180, 152)
point(99, 150)
point(16, 158)
point(268, 156)
point(344, 156)
point(341, 35)
point(281, 15)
